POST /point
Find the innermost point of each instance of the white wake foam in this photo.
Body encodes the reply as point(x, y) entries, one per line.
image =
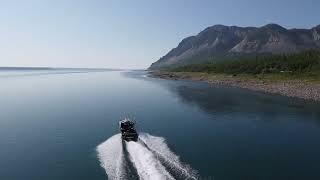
point(160, 148)
point(146, 163)
point(110, 154)
point(150, 156)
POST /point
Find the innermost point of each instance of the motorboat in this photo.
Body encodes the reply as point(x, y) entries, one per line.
point(127, 129)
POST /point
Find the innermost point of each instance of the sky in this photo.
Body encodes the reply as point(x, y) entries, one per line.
point(129, 34)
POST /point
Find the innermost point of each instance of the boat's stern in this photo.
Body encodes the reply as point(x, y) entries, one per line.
point(130, 136)
point(127, 130)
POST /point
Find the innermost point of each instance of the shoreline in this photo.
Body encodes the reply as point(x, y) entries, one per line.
point(298, 88)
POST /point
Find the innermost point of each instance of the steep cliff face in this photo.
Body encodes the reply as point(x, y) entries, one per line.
point(220, 40)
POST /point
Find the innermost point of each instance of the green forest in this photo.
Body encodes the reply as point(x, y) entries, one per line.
point(307, 62)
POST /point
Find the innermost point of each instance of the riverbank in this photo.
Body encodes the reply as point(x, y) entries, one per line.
point(304, 88)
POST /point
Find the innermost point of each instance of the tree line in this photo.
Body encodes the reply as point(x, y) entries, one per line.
point(298, 63)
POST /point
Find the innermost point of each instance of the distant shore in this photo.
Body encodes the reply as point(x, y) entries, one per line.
point(300, 88)
point(51, 68)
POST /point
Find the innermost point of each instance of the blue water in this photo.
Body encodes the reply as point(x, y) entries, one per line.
point(52, 123)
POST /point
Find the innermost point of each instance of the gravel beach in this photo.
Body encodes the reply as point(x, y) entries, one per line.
point(292, 88)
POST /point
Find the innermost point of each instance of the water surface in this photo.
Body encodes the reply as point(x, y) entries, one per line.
point(51, 123)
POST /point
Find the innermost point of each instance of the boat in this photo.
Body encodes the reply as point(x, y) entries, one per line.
point(128, 131)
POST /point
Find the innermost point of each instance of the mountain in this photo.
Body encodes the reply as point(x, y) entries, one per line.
point(219, 41)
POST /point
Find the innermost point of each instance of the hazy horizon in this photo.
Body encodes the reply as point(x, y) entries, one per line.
point(126, 35)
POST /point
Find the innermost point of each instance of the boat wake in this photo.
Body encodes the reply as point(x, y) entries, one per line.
point(148, 158)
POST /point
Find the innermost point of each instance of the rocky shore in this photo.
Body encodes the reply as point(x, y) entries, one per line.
point(292, 88)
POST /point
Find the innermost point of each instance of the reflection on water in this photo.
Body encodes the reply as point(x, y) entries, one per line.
point(249, 135)
point(219, 99)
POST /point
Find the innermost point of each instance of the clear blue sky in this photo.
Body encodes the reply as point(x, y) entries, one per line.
point(127, 34)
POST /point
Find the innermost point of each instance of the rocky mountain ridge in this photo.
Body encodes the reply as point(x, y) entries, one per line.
point(220, 41)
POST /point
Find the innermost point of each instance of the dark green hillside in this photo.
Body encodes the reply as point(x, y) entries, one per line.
point(307, 63)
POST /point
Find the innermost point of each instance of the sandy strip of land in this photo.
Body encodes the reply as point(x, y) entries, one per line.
point(304, 89)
